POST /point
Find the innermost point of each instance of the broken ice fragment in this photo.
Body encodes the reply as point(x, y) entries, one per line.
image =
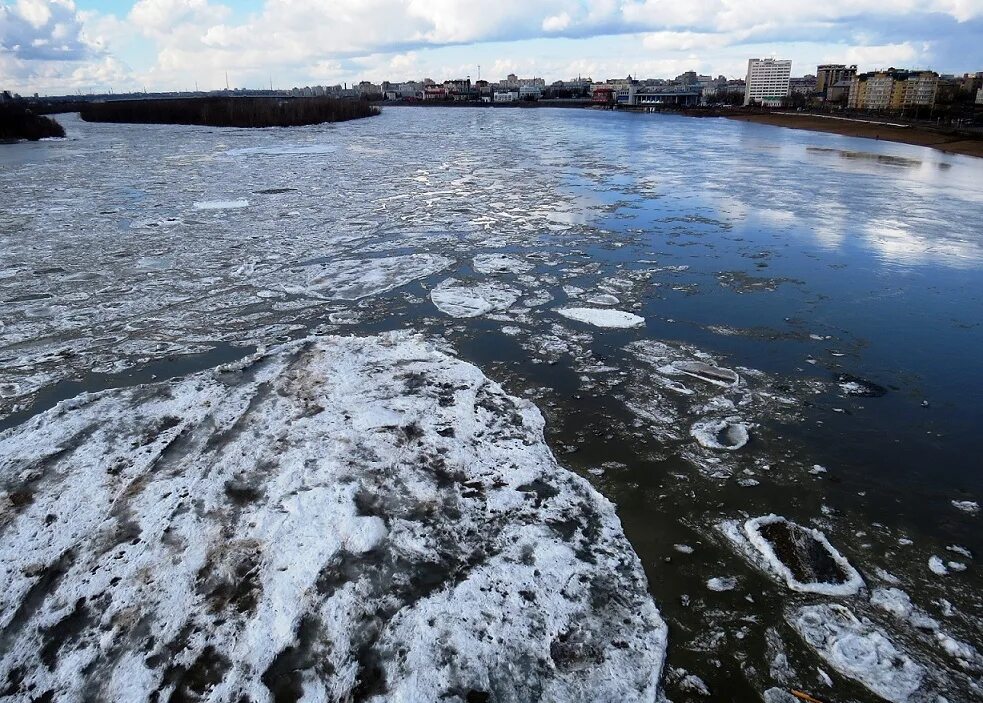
point(603, 317)
point(722, 583)
point(859, 387)
point(716, 375)
point(727, 434)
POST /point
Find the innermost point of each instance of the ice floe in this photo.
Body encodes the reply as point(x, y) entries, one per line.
point(859, 650)
point(800, 556)
point(967, 506)
point(722, 583)
point(336, 519)
point(729, 434)
point(353, 279)
point(500, 263)
point(221, 204)
point(460, 299)
point(603, 317)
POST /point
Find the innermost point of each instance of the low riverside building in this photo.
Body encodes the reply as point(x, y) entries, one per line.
point(767, 81)
point(893, 89)
point(435, 92)
point(685, 96)
point(506, 96)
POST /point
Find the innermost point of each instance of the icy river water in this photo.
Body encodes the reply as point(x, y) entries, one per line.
point(717, 321)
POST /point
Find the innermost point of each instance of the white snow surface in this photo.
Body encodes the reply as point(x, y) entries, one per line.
point(858, 650)
point(458, 299)
point(352, 517)
point(603, 317)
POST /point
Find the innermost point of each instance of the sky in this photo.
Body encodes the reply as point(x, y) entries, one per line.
point(67, 46)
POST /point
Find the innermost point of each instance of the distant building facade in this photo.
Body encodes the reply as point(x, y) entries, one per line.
point(979, 96)
point(829, 74)
point(767, 81)
point(893, 89)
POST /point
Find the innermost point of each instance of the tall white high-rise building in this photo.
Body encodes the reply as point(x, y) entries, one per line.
point(767, 81)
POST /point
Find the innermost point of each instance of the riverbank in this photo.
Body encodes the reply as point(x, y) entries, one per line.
point(951, 143)
point(18, 122)
point(230, 111)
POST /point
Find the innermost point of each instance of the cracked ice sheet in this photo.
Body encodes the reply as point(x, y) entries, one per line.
point(353, 516)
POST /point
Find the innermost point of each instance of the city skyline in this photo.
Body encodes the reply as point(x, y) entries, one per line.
point(64, 46)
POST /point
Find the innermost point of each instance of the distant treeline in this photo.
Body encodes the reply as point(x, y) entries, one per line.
point(18, 122)
point(229, 111)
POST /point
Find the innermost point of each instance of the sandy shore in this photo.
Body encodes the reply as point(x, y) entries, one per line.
point(953, 144)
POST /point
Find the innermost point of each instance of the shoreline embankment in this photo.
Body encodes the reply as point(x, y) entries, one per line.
point(951, 142)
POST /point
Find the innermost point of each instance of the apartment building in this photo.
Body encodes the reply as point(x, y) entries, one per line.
point(767, 81)
point(893, 89)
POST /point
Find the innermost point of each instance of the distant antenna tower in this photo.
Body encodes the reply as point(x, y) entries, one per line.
point(479, 71)
point(226, 80)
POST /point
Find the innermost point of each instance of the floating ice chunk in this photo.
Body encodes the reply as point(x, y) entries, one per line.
point(683, 548)
point(457, 299)
point(603, 299)
point(859, 387)
point(965, 653)
point(962, 551)
point(817, 469)
point(693, 683)
point(894, 601)
point(967, 506)
point(353, 279)
point(722, 583)
point(777, 695)
point(716, 375)
point(221, 204)
point(500, 263)
point(802, 557)
point(336, 510)
point(956, 566)
point(937, 566)
point(728, 434)
point(858, 650)
point(600, 317)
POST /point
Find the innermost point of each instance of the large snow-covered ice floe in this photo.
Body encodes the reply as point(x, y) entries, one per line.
point(800, 556)
point(353, 279)
point(603, 317)
point(458, 299)
point(341, 518)
point(859, 650)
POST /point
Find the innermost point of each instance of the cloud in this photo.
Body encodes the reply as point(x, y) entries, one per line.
point(174, 43)
point(43, 30)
